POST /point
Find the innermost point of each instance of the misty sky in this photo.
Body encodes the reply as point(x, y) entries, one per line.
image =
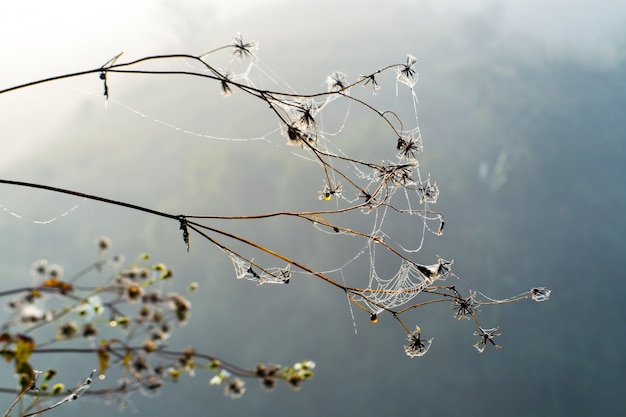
point(39, 39)
point(70, 32)
point(525, 89)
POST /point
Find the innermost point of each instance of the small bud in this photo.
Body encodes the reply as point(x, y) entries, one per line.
point(57, 389)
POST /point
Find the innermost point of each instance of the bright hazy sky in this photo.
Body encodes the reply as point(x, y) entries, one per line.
point(40, 38)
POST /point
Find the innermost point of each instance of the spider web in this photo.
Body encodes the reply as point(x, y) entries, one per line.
point(38, 221)
point(401, 195)
point(408, 282)
point(246, 269)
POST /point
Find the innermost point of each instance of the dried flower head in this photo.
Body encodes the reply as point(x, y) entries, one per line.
point(486, 335)
point(540, 294)
point(307, 112)
point(328, 192)
point(429, 193)
point(268, 383)
point(337, 82)
point(151, 385)
point(139, 364)
point(406, 72)
point(152, 297)
point(90, 330)
point(416, 346)
point(243, 49)
point(133, 293)
point(180, 305)
point(234, 388)
point(225, 84)
point(144, 313)
point(103, 243)
point(39, 268)
point(67, 330)
point(55, 271)
point(298, 136)
point(371, 79)
point(464, 308)
point(409, 145)
point(116, 261)
point(149, 346)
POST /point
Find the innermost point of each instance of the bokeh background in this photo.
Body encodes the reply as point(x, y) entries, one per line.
point(521, 106)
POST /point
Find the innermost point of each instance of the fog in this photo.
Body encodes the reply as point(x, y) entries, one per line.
point(521, 113)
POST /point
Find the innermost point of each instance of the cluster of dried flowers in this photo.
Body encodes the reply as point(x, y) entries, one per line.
point(118, 315)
